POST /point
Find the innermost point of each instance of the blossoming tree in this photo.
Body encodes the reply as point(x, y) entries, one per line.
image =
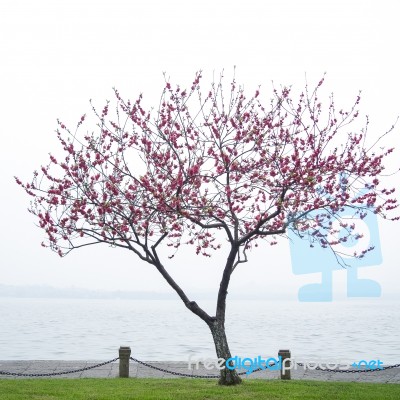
point(208, 168)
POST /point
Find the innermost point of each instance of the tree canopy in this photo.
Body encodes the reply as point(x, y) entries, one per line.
point(206, 162)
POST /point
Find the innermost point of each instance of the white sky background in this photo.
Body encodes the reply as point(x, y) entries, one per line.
point(56, 55)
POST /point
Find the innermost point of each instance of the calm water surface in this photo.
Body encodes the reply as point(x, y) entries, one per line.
point(76, 329)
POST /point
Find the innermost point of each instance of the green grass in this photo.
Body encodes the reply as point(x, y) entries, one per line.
point(176, 389)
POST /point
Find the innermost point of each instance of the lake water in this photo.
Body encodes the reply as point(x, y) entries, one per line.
point(76, 329)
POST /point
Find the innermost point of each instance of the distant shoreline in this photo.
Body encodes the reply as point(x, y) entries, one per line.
point(49, 292)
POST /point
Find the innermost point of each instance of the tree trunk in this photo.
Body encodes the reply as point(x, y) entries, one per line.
point(228, 377)
point(217, 323)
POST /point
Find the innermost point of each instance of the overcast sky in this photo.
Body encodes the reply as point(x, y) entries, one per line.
point(56, 55)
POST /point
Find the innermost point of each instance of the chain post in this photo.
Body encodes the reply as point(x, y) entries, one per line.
point(285, 355)
point(124, 354)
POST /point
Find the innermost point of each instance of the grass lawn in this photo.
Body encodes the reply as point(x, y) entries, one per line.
point(188, 389)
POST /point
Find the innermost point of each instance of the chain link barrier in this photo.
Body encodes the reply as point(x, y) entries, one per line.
point(173, 372)
point(347, 371)
point(57, 373)
point(190, 375)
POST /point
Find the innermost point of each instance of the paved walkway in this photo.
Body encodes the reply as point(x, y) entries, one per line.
point(111, 370)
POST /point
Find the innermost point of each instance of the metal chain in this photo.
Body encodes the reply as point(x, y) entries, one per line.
point(58, 373)
point(348, 371)
point(189, 375)
point(173, 372)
